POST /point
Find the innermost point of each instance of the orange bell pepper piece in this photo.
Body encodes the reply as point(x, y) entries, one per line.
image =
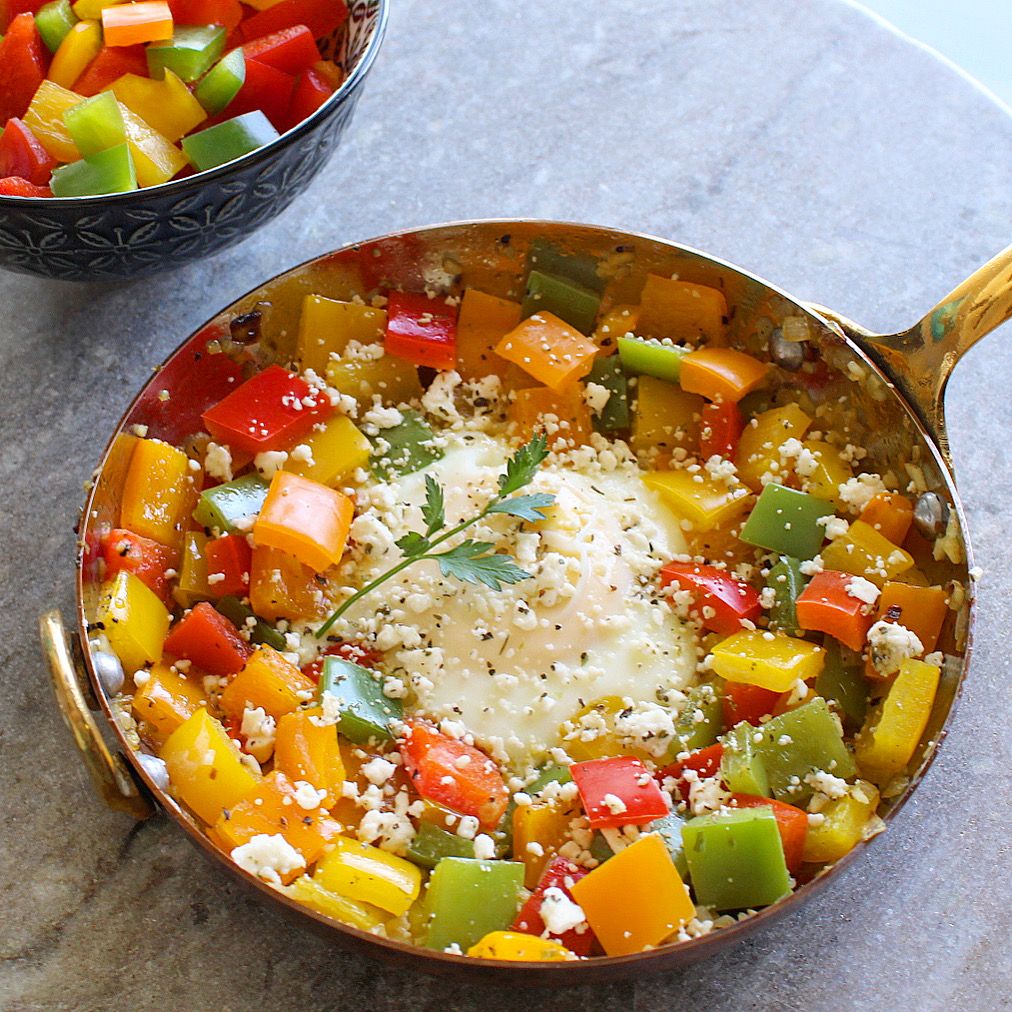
point(305, 519)
point(682, 311)
point(721, 374)
point(532, 405)
point(132, 23)
point(890, 514)
point(791, 822)
point(825, 605)
point(921, 609)
point(267, 680)
point(549, 349)
point(483, 322)
point(305, 751)
point(282, 587)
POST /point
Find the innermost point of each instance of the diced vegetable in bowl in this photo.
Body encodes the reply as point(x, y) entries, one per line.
point(525, 614)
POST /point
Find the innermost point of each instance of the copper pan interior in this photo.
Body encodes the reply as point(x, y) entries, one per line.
point(493, 256)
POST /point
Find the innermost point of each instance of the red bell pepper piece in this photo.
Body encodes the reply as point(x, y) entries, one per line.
point(207, 638)
point(747, 702)
point(705, 762)
point(722, 602)
point(791, 822)
point(145, 558)
point(311, 91)
point(23, 63)
point(321, 17)
point(15, 186)
point(354, 652)
point(618, 791)
point(421, 330)
point(825, 606)
point(270, 411)
point(720, 430)
point(10, 9)
point(21, 154)
point(227, 13)
point(229, 560)
point(560, 874)
point(292, 50)
point(435, 762)
point(266, 89)
point(111, 64)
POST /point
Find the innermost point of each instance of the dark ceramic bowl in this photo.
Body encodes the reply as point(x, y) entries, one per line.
point(127, 235)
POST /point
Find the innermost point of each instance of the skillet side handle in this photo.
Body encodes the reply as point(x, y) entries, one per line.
point(920, 360)
point(112, 778)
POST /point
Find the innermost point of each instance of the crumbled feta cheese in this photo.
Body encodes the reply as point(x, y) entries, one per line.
point(614, 804)
point(864, 590)
point(484, 847)
point(559, 912)
point(378, 771)
point(218, 462)
point(270, 462)
point(890, 644)
point(307, 796)
point(826, 783)
point(268, 857)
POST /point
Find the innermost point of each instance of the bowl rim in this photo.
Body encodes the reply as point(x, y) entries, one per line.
point(283, 141)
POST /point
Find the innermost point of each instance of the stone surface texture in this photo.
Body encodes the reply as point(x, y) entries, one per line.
point(799, 139)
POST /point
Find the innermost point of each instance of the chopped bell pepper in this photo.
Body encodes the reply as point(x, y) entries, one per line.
point(617, 322)
point(721, 428)
point(312, 893)
point(787, 582)
point(226, 13)
point(921, 609)
point(721, 374)
point(560, 874)
point(132, 23)
point(366, 874)
point(166, 700)
point(562, 299)
point(843, 825)
point(15, 186)
point(189, 52)
point(146, 559)
point(842, 682)
point(760, 441)
point(327, 325)
point(22, 66)
point(823, 472)
point(406, 447)
point(264, 90)
point(321, 17)
point(703, 762)
point(891, 514)
point(110, 64)
point(421, 330)
point(742, 701)
point(636, 899)
point(158, 492)
point(549, 349)
point(281, 587)
point(863, 551)
point(827, 605)
point(553, 258)
point(531, 407)
point(191, 584)
point(365, 712)
point(222, 83)
point(134, 619)
point(618, 791)
point(96, 124)
point(741, 766)
point(260, 632)
point(45, 119)
point(306, 750)
point(787, 522)
point(53, 21)
point(268, 680)
point(431, 843)
point(704, 501)
point(205, 767)
point(452, 773)
point(312, 89)
point(467, 898)
point(682, 311)
point(290, 50)
point(270, 411)
point(392, 378)
point(650, 357)
point(166, 105)
point(774, 664)
point(614, 415)
point(514, 945)
point(544, 822)
point(332, 453)
point(228, 565)
point(221, 507)
point(484, 320)
point(792, 823)
point(665, 416)
point(226, 141)
point(207, 638)
point(736, 859)
point(721, 603)
point(700, 720)
point(79, 47)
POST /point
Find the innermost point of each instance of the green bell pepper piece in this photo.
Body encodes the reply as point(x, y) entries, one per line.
point(405, 448)
point(842, 681)
point(670, 829)
point(189, 54)
point(222, 82)
point(365, 712)
point(652, 358)
point(607, 372)
point(787, 582)
point(238, 613)
point(690, 732)
point(109, 171)
point(798, 742)
point(549, 775)
point(741, 766)
point(467, 898)
point(599, 848)
point(96, 124)
point(736, 859)
point(53, 21)
point(548, 258)
point(224, 505)
point(432, 843)
point(227, 141)
point(786, 522)
point(568, 300)
point(503, 834)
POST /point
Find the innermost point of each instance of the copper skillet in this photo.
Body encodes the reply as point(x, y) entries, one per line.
point(893, 384)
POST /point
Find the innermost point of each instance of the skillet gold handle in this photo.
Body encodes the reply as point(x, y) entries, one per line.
point(109, 773)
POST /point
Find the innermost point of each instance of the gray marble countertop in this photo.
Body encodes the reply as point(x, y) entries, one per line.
point(800, 139)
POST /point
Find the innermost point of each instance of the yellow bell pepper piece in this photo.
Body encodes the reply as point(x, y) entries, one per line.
point(894, 727)
point(93, 8)
point(192, 585)
point(665, 416)
point(636, 898)
point(333, 453)
point(155, 159)
point(282, 587)
point(704, 501)
point(167, 699)
point(305, 519)
point(516, 945)
point(617, 322)
point(828, 474)
point(774, 664)
point(366, 874)
point(483, 321)
point(167, 106)
point(359, 915)
point(721, 374)
point(548, 349)
point(563, 414)
point(326, 326)
point(393, 379)
point(159, 493)
point(269, 680)
point(546, 824)
point(760, 442)
point(862, 551)
point(596, 720)
point(843, 823)
point(205, 767)
point(79, 47)
point(306, 751)
point(134, 619)
point(45, 118)
point(682, 311)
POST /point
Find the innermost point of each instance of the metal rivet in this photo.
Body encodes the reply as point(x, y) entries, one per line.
point(789, 355)
point(155, 769)
point(109, 671)
point(931, 514)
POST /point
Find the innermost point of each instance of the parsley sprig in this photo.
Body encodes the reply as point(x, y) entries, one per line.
point(471, 561)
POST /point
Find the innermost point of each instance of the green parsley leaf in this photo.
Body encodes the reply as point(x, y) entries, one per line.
point(526, 507)
point(523, 465)
point(471, 562)
point(433, 512)
point(413, 544)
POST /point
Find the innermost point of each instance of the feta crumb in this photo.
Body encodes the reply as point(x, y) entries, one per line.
point(218, 462)
point(863, 590)
point(307, 796)
point(826, 783)
point(268, 857)
point(614, 804)
point(270, 462)
point(890, 644)
point(559, 912)
point(484, 847)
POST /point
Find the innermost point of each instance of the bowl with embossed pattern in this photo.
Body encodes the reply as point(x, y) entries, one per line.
point(119, 236)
